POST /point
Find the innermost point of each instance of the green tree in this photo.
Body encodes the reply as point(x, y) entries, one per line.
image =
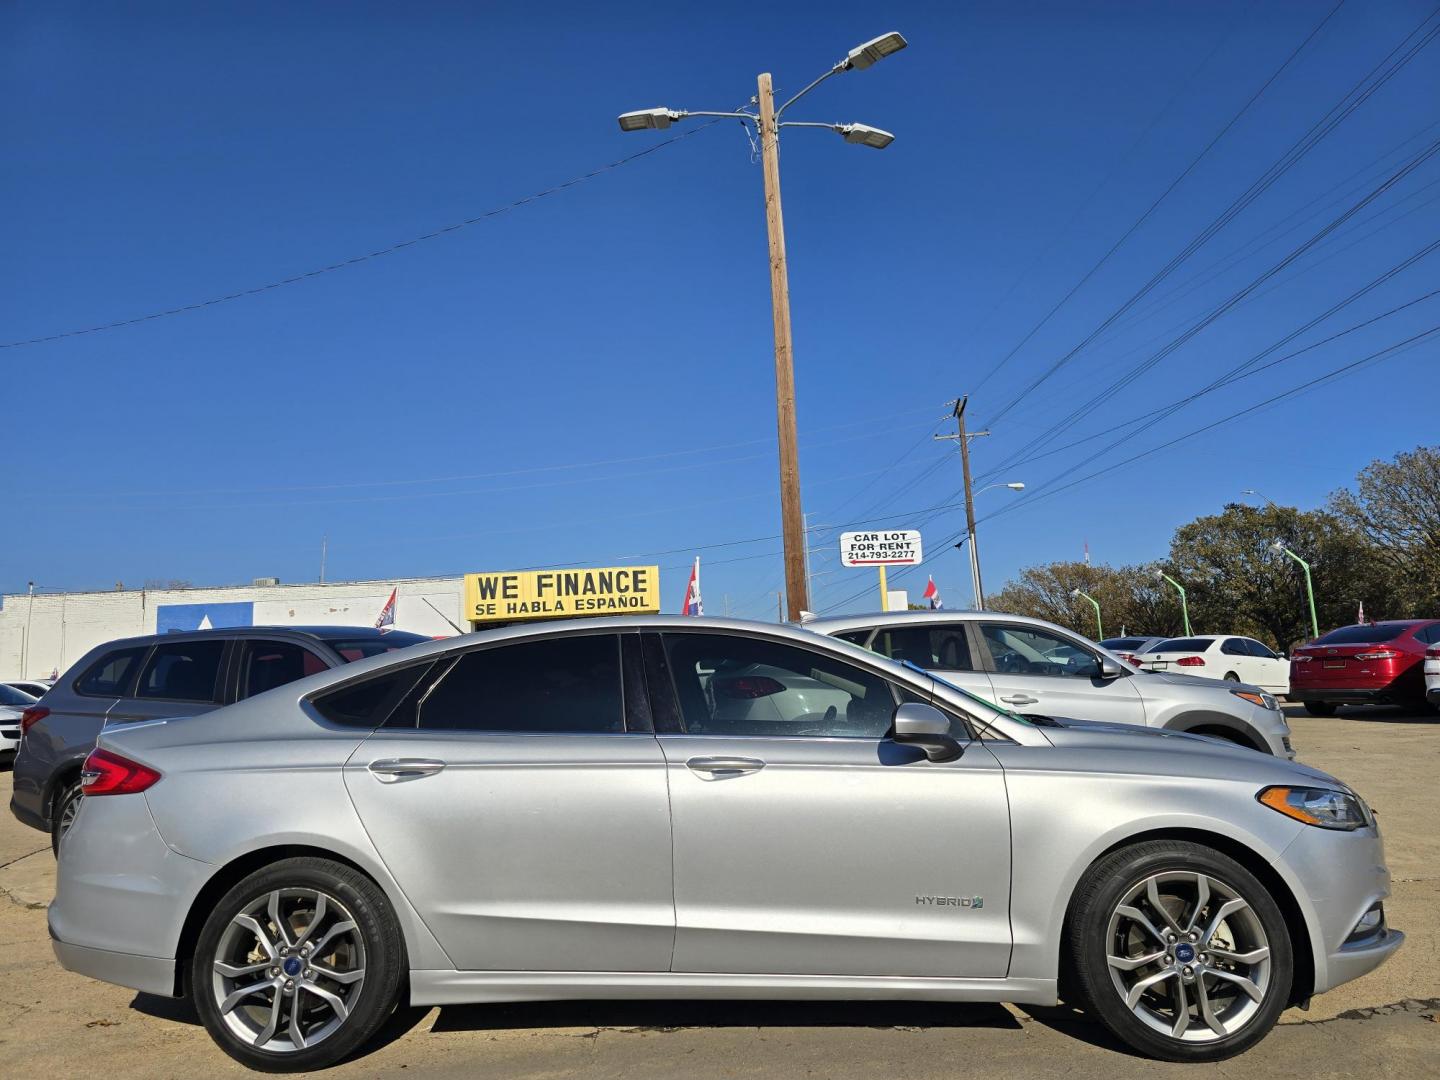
point(1397, 509)
point(1129, 597)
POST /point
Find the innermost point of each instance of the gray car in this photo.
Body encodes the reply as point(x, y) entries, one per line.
point(1032, 666)
point(562, 811)
point(158, 676)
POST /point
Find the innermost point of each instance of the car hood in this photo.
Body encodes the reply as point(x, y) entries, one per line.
point(1194, 754)
point(1191, 682)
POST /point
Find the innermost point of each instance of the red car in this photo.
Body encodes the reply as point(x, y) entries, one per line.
point(1379, 663)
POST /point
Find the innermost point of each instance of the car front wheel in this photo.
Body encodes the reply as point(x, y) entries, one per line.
point(1180, 951)
point(297, 966)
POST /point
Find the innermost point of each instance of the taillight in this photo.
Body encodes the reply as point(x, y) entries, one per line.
point(1378, 654)
point(749, 686)
point(1191, 661)
point(105, 773)
point(1433, 653)
point(32, 716)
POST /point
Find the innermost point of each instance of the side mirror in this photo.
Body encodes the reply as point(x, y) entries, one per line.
point(1109, 669)
point(925, 726)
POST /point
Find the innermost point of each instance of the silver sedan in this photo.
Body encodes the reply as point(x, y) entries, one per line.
point(568, 811)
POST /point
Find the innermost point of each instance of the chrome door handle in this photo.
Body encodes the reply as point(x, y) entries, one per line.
point(394, 770)
point(1020, 699)
point(719, 768)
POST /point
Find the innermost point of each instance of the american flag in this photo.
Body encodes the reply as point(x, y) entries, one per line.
point(691, 604)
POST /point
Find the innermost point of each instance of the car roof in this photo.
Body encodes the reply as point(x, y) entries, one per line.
point(321, 633)
point(838, 623)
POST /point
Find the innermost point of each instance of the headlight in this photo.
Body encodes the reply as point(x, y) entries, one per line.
point(1255, 697)
point(1323, 807)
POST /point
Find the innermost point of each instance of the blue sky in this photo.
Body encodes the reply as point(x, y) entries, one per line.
point(587, 379)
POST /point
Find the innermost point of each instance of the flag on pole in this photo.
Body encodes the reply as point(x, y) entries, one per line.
point(1360, 619)
point(386, 621)
point(932, 594)
point(692, 604)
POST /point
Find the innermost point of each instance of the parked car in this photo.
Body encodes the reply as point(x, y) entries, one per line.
point(1127, 648)
point(1432, 676)
point(161, 676)
point(1370, 663)
point(1223, 656)
point(33, 687)
point(1033, 666)
point(545, 812)
point(13, 703)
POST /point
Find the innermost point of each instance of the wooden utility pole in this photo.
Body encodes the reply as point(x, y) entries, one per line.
point(797, 592)
point(964, 437)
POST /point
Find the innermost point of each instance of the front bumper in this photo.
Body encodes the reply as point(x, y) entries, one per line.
point(1341, 877)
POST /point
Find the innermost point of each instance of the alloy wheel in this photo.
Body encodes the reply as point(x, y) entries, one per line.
point(288, 969)
point(1188, 956)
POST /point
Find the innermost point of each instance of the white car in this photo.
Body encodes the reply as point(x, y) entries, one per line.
point(1220, 656)
point(12, 703)
point(1432, 676)
point(34, 687)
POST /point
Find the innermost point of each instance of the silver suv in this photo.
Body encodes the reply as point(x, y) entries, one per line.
point(576, 810)
point(1031, 666)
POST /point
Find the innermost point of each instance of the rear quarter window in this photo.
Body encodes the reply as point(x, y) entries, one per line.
point(111, 674)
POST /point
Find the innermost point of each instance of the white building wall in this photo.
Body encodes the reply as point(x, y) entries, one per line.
point(49, 633)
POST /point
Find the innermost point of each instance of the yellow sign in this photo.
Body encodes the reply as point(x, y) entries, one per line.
point(549, 594)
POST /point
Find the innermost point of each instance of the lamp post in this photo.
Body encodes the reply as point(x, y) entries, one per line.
point(767, 122)
point(1280, 549)
point(1184, 604)
point(1099, 626)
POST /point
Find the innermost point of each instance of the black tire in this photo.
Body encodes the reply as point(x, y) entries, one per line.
point(1230, 676)
point(67, 804)
point(1089, 924)
point(377, 993)
point(1319, 708)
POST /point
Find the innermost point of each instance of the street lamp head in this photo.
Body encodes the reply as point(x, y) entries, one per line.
point(1159, 574)
point(1018, 485)
point(1075, 593)
point(864, 135)
point(873, 51)
point(1278, 547)
point(659, 118)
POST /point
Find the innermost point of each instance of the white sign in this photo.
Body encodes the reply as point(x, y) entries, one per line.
point(900, 547)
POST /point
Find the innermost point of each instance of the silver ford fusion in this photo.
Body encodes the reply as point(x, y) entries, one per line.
point(581, 810)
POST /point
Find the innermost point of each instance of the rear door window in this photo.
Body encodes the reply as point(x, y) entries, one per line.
point(183, 671)
point(269, 664)
point(110, 675)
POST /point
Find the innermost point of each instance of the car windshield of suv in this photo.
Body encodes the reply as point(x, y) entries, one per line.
point(352, 649)
point(10, 696)
point(1184, 644)
point(1364, 635)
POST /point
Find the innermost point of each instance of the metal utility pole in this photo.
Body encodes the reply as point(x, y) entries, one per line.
point(768, 122)
point(964, 437)
point(324, 548)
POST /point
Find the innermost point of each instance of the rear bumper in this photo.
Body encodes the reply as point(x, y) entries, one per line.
point(152, 974)
point(1360, 696)
point(26, 816)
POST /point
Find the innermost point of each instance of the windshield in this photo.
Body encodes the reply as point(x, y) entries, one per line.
point(1184, 644)
point(10, 696)
point(1364, 635)
point(966, 693)
point(352, 649)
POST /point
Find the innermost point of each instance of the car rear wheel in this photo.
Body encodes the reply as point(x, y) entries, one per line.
point(1230, 676)
point(1180, 951)
point(67, 805)
point(297, 966)
point(1319, 708)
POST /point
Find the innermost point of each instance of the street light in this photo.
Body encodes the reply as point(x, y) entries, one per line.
point(1280, 549)
point(766, 119)
point(1099, 627)
point(1015, 485)
point(1184, 604)
point(1258, 495)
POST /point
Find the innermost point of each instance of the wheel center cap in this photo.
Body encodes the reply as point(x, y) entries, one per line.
point(1184, 953)
point(292, 966)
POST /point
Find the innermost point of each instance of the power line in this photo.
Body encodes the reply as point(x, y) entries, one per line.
point(376, 254)
point(1338, 113)
point(1155, 206)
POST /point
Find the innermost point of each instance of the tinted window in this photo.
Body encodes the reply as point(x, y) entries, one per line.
point(182, 671)
point(1364, 635)
point(855, 637)
point(1428, 634)
point(566, 684)
point(1123, 644)
point(269, 664)
point(10, 696)
point(730, 685)
point(110, 675)
point(945, 648)
point(370, 702)
point(1257, 649)
point(1235, 647)
point(1184, 644)
point(1025, 650)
